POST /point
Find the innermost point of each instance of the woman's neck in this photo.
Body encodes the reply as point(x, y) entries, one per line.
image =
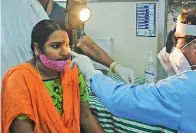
point(45, 72)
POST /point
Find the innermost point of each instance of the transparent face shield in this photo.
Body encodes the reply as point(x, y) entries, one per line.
point(185, 29)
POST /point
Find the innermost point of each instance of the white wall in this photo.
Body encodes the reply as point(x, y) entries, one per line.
point(118, 21)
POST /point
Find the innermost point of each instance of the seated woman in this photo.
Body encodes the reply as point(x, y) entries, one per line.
point(43, 95)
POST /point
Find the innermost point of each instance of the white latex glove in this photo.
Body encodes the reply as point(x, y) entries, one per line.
point(163, 57)
point(126, 74)
point(84, 64)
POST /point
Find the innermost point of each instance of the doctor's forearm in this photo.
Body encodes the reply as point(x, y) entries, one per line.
point(92, 50)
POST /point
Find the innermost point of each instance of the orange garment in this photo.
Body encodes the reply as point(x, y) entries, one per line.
point(23, 92)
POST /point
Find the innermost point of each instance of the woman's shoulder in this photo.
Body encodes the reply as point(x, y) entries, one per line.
point(21, 67)
point(19, 70)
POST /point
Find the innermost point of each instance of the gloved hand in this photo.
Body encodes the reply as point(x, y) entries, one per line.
point(126, 74)
point(84, 64)
point(163, 57)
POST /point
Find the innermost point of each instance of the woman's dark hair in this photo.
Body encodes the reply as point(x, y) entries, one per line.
point(42, 30)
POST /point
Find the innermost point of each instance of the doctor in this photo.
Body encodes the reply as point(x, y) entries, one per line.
point(163, 55)
point(170, 102)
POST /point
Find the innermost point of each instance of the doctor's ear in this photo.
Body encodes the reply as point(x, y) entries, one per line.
point(36, 50)
point(194, 49)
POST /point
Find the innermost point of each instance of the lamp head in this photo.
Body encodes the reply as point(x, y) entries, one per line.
point(76, 14)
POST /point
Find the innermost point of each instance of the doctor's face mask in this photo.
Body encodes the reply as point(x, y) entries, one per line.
point(178, 61)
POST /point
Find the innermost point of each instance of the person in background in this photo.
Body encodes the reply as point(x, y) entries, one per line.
point(43, 95)
point(170, 102)
point(17, 23)
point(87, 46)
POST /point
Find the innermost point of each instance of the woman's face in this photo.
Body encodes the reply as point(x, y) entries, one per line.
point(57, 46)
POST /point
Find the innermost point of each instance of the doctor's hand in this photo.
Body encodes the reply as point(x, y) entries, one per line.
point(84, 64)
point(163, 57)
point(126, 74)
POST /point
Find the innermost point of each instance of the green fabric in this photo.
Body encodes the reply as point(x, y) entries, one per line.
point(55, 91)
point(83, 87)
point(22, 117)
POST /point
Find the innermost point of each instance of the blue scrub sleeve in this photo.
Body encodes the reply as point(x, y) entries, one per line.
point(155, 104)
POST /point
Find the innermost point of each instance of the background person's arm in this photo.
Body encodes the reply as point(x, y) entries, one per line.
point(92, 50)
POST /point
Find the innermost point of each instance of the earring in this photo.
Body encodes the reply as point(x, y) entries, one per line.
point(36, 56)
point(62, 54)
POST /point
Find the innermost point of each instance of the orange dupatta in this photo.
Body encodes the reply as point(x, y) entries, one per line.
point(23, 92)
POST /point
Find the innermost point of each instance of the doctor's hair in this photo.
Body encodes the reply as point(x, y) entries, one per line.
point(42, 31)
point(188, 17)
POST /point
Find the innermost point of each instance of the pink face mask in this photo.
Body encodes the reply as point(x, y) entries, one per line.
point(55, 65)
